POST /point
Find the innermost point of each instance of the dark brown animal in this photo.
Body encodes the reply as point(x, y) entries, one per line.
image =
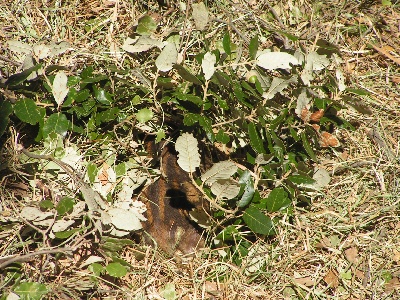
point(169, 201)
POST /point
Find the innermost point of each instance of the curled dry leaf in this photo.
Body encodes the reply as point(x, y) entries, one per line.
point(328, 140)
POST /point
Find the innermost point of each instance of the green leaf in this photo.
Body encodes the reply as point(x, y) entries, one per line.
point(226, 43)
point(107, 115)
point(248, 192)
point(301, 180)
point(96, 268)
point(222, 137)
point(66, 234)
point(146, 25)
point(308, 147)
point(160, 135)
point(113, 244)
point(277, 199)
point(27, 111)
point(186, 75)
point(169, 292)
point(253, 47)
point(144, 115)
point(229, 233)
point(103, 96)
point(56, 123)
point(190, 119)
point(6, 110)
point(19, 78)
point(31, 290)
point(116, 270)
point(92, 172)
point(65, 205)
point(255, 141)
point(258, 222)
point(46, 204)
point(360, 92)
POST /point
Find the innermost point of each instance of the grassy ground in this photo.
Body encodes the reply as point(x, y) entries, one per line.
point(346, 245)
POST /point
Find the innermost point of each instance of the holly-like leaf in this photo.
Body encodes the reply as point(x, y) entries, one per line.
point(258, 222)
point(144, 115)
point(277, 199)
point(56, 123)
point(31, 290)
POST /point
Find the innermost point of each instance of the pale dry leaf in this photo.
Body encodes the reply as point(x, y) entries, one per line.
point(141, 44)
point(58, 48)
point(278, 85)
point(167, 58)
point(60, 89)
point(321, 177)
point(188, 157)
point(19, 47)
point(221, 170)
point(27, 64)
point(316, 62)
point(41, 51)
point(31, 213)
point(302, 102)
point(124, 219)
point(200, 15)
point(92, 259)
point(276, 60)
point(225, 188)
point(340, 80)
point(208, 65)
point(62, 225)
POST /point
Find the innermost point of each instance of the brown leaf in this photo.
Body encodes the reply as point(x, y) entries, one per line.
point(307, 281)
point(332, 279)
point(316, 117)
point(352, 255)
point(328, 140)
point(393, 284)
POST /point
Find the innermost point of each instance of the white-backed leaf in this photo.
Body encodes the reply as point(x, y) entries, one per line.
point(141, 44)
point(322, 178)
point(41, 51)
point(302, 102)
point(92, 259)
point(188, 157)
point(60, 89)
point(167, 58)
point(278, 85)
point(31, 213)
point(62, 225)
point(124, 219)
point(276, 60)
point(225, 188)
point(207, 65)
point(318, 62)
point(340, 80)
point(57, 49)
point(27, 64)
point(200, 15)
point(222, 170)
point(19, 47)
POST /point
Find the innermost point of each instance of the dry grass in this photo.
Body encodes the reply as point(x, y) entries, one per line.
point(346, 246)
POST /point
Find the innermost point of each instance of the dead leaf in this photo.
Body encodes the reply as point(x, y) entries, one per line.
point(316, 116)
point(352, 255)
point(332, 279)
point(328, 140)
point(307, 281)
point(393, 284)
